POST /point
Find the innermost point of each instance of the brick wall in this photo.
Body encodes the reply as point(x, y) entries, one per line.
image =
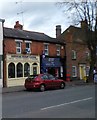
point(36, 47)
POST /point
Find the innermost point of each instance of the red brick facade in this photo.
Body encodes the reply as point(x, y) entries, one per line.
point(37, 48)
point(73, 37)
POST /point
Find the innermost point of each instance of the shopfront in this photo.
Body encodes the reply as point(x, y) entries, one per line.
point(18, 67)
point(53, 65)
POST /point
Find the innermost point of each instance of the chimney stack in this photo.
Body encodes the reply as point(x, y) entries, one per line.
point(58, 30)
point(84, 24)
point(18, 26)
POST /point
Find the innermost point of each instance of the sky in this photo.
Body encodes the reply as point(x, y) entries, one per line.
point(38, 16)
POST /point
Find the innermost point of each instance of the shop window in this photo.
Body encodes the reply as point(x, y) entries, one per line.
point(26, 69)
point(74, 55)
point(19, 70)
point(74, 71)
point(11, 70)
point(34, 68)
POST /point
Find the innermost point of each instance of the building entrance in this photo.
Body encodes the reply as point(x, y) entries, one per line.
point(53, 71)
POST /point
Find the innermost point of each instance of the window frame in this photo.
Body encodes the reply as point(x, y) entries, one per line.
point(18, 48)
point(11, 67)
point(19, 69)
point(74, 55)
point(26, 69)
point(58, 50)
point(46, 49)
point(75, 71)
point(29, 44)
point(18, 41)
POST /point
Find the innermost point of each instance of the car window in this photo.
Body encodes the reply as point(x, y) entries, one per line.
point(44, 77)
point(32, 76)
point(51, 77)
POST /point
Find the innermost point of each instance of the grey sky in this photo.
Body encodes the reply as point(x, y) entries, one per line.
point(37, 16)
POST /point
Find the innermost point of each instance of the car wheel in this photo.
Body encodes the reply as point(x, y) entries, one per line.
point(42, 88)
point(62, 86)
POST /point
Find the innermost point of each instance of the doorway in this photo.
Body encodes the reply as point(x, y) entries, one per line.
point(82, 71)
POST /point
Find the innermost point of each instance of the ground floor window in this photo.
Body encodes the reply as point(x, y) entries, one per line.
point(87, 70)
point(74, 71)
point(11, 70)
point(19, 70)
point(26, 69)
point(22, 70)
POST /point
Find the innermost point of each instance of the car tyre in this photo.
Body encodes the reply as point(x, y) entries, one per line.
point(42, 87)
point(62, 86)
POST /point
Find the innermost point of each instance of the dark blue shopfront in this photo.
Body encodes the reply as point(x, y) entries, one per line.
point(52, 65)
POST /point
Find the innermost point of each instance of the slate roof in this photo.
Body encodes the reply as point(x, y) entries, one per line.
point(29, 35)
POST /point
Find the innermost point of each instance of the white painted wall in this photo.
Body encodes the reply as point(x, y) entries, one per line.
point(1, 51)
point(1, 37)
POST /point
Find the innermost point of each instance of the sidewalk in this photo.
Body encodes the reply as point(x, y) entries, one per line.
point(22, 88)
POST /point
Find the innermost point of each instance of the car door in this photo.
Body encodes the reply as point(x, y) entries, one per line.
point(53, 81)
point(46, 81)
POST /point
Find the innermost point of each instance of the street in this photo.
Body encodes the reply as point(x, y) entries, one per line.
point(72, 102)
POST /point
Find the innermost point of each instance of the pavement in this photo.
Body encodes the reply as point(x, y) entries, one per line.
point(22, 88)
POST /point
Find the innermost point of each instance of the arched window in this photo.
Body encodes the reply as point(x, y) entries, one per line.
point(34, 68)
point(26, 69)
point(11, 70)
point(19, 70)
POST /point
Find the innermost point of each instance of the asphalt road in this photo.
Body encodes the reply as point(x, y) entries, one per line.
point(74, 102)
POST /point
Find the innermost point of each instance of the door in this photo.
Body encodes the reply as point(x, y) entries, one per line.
point(82, 70)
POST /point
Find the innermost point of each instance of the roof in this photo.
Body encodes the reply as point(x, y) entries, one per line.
point(77, 33)
point(29, 35)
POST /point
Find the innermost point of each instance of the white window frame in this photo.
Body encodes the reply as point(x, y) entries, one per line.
point(75, 71)
point(18, 47)
point(74, 55)
point(46, 49)
point(29, 49)
point(18, 41)
point(58, 50)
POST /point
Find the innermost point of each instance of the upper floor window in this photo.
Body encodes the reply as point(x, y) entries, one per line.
point(87, 55)
point(58, 50)
point(28, 49)
point(46, 51)
point(18, 46)
point(74, 55)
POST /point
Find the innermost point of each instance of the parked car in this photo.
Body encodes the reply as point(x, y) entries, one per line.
point(43, 82)
point(95, 78)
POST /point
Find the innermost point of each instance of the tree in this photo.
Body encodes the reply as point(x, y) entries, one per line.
point(85, 10)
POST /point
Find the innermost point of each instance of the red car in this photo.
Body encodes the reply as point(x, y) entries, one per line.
point(43, 82)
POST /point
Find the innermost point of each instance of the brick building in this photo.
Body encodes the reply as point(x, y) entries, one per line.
point(23, 55)
point(77, 53)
